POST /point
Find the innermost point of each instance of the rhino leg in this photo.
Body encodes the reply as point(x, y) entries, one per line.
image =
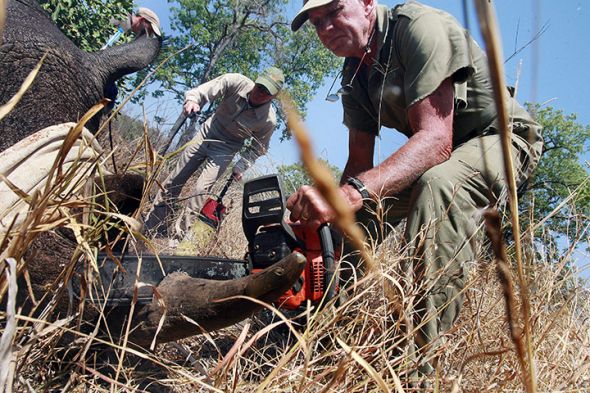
point(201, 301)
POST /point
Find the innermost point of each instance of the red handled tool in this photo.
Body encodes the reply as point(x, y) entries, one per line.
point(213, 210)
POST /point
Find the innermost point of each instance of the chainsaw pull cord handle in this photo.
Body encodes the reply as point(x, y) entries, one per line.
point(329, 258)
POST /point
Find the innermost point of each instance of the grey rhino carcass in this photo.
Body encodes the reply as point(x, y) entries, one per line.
point(69, 83)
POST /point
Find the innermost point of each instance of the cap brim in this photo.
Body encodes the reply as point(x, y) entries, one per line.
point(271, 87)
point(302, 16)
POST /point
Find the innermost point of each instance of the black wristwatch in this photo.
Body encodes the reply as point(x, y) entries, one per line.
point(360, 187)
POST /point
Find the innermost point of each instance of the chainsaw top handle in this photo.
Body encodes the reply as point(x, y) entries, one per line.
point(263, 205)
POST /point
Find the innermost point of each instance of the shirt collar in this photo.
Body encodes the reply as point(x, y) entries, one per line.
point(382, 26)
point(261, 111)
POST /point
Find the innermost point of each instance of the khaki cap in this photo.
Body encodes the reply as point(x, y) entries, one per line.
point(273, 79)
point(302, 16)
point(151, 17)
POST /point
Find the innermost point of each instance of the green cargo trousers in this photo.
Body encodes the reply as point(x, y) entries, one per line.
point(443, 212)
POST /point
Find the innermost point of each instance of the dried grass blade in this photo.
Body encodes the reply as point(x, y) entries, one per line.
point(7, 355)
point(2, 17)
point(162, 305)
point(494, 232)
point(134, 224)
point(98, 374)
point(324, 182)
point(364, 364)
point(236, 348)
point(489, 29)
point(15, 189)
point(136, 287)
point(6, 108)
point(74, 134)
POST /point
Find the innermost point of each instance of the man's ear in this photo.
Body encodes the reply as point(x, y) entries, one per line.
point(369, 6)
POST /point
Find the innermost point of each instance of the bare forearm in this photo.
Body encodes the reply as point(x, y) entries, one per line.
point(361, 146)
point(430, 145)
point(400, 170)
point(353, 169)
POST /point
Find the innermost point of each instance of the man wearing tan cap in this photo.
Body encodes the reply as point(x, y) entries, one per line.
point(244, 113)
point(415, 69)
point(145, 20)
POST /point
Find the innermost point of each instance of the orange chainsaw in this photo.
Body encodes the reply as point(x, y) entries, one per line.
point(271, 238)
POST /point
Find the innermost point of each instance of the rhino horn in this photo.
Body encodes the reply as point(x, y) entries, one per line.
point(191, 306)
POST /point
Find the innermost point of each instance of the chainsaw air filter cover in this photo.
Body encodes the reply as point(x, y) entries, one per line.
point(271, 245)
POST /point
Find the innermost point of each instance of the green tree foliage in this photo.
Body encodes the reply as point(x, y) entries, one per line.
point(560, 172)
point(132, 129)
point(243, 36)
point(87, 22)
point(295, 175)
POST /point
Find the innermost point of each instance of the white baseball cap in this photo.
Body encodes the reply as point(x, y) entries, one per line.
point(302, 16)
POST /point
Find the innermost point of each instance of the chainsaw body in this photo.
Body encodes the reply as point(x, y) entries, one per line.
point(271, 238)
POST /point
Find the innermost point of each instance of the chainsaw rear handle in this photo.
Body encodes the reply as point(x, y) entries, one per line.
point(329, 258)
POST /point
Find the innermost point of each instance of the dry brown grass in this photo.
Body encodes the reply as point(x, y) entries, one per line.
point(353, 347)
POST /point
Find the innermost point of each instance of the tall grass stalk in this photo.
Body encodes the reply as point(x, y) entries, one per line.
point(487, 21)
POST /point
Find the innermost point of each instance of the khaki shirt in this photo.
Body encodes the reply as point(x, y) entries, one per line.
point(235, 120)
point(418, 48)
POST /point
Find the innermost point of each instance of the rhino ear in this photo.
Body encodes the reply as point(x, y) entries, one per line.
point(185, 300)
point(118, 61)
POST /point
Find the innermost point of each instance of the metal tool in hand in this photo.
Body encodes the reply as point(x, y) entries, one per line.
point(174, 130)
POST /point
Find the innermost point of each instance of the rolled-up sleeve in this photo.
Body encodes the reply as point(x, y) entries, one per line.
point(432, 50)
point(209, 91)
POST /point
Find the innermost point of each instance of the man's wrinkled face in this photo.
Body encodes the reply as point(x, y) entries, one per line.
point(341, 26)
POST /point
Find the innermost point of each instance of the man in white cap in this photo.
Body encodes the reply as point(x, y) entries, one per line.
point(244, 112)
point(413, 68)
point(145, 20)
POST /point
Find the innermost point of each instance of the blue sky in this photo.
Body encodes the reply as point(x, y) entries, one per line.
point(553, 70)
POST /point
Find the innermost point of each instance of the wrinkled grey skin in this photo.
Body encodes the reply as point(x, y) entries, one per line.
point(70, 81)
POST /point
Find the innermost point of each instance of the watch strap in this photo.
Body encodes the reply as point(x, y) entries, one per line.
point(358, 185)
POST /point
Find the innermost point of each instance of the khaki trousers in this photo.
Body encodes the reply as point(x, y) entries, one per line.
point(208, 153)
point(443, 212)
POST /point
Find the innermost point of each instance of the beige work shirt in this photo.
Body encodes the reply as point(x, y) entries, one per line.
point(235, 120)
point(418, 48)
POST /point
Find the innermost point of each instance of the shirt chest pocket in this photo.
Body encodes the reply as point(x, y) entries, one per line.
point(229, 110)
point(387, 93)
